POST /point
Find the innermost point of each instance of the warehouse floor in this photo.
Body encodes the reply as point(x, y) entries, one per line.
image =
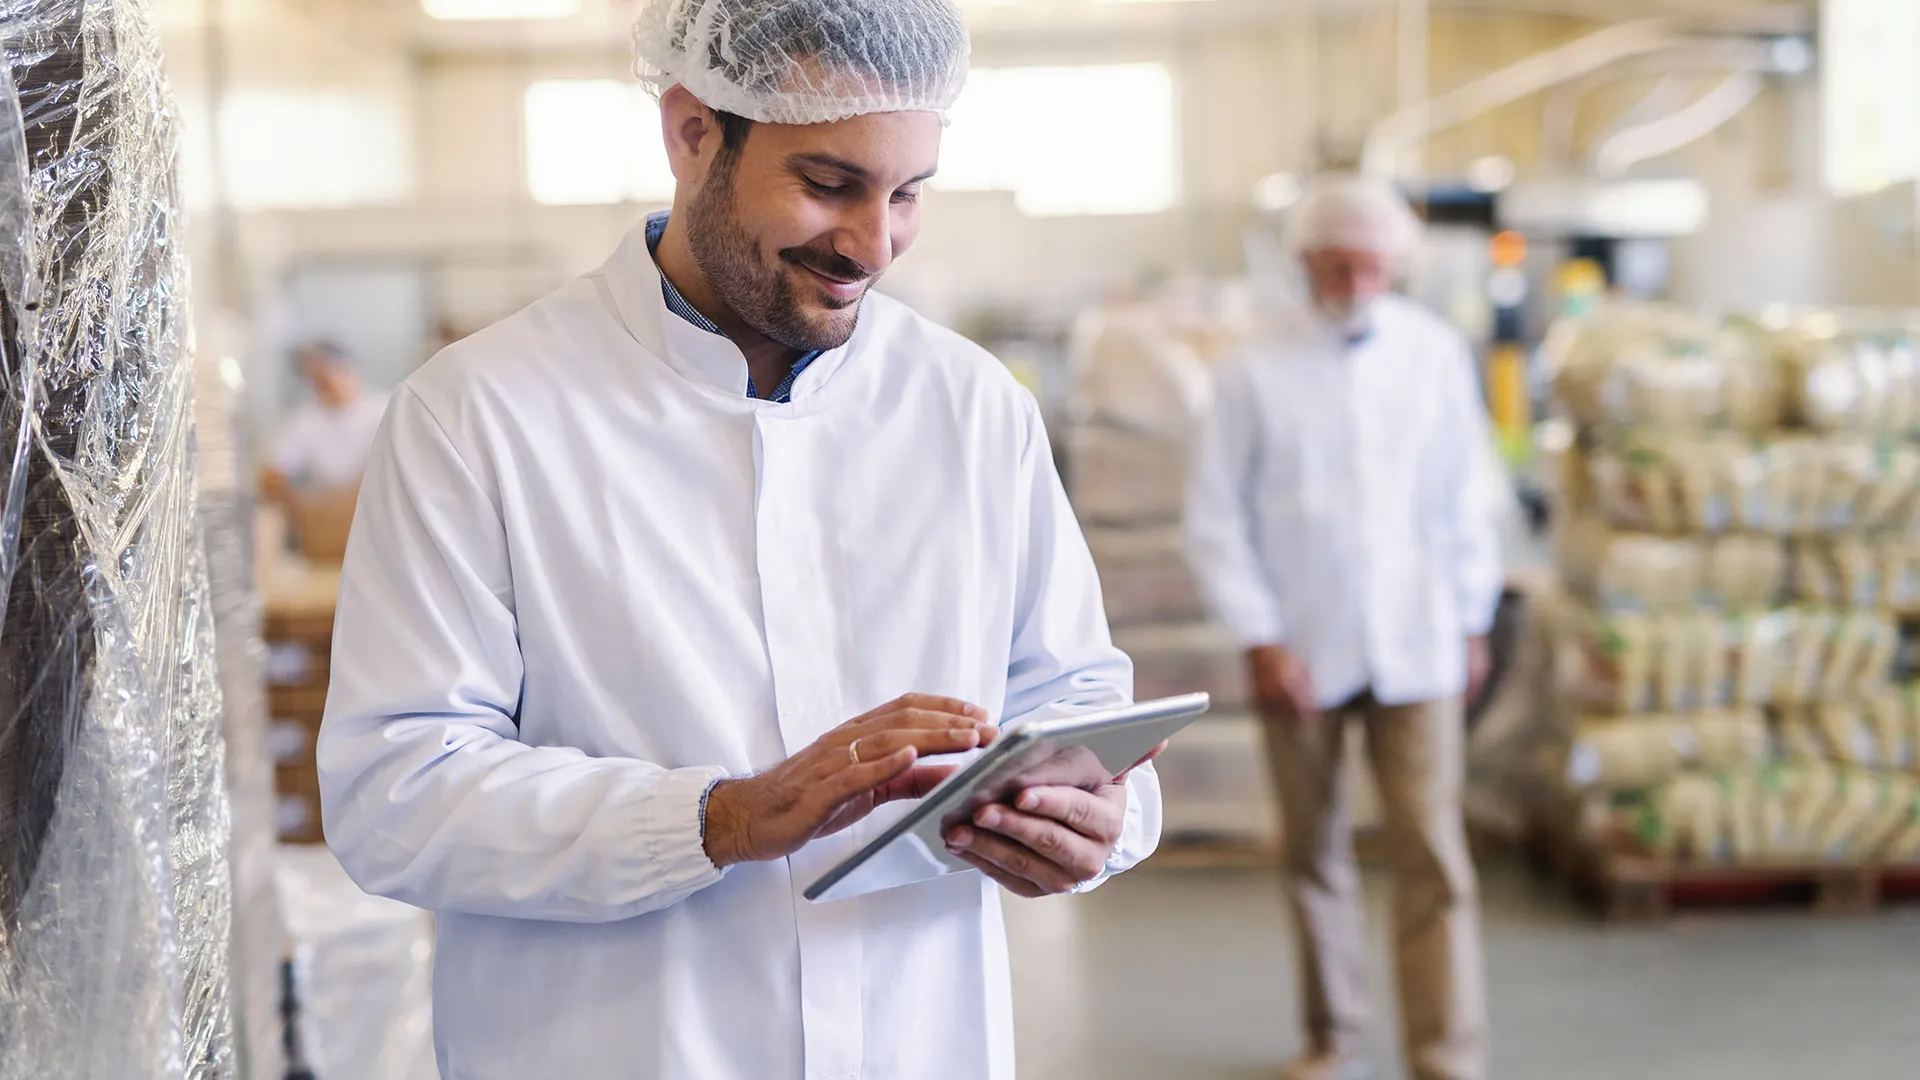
point(1185, 975)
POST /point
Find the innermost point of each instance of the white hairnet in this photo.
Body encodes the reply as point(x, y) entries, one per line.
point(1358, 212)
point(804, 61)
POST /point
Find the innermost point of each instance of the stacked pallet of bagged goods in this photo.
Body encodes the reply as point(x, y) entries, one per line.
point(1741, 529)
point(1142, 382)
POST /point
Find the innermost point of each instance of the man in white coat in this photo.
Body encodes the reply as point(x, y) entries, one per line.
point(1339, 522)
point(661, 587)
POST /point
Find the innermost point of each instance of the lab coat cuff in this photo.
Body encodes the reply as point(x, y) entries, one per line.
point(1139, 837)
point(1478, 622)
point(1254, 635)
point(671, 829)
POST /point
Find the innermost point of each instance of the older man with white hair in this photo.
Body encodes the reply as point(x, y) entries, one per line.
point(1337, 522)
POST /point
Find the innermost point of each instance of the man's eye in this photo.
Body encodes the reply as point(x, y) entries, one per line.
point(904, 196)
point(819, 188)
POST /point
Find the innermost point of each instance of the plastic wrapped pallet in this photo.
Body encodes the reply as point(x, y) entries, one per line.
point(114, 885)
point(363, 973)
point(227, 514)
point(1662, 369)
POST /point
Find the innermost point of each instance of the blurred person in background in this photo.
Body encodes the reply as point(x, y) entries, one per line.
point(323, 446)
point(626, 563)
point(1337, 522)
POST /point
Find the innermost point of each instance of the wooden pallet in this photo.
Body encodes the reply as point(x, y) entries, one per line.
point(1629, 888)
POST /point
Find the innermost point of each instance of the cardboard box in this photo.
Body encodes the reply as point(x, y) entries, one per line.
point(321, 521)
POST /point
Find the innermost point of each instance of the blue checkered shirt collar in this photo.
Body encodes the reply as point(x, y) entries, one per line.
point(783, 393)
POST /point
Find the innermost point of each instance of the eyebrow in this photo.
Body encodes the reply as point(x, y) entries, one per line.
point(853, 169)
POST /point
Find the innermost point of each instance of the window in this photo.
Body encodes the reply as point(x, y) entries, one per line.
point(1870, 69)
point(595, 141)
point(1067, 140)
point(305, 149)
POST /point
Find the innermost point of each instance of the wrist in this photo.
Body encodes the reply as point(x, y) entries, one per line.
point(722, 834)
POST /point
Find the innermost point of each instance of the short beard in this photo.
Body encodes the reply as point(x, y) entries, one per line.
point(1348, 317)
point(763, 299)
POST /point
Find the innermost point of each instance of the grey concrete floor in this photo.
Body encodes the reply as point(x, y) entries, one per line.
point(1186, 975)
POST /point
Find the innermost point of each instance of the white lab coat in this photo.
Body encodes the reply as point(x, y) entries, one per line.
point(326, 446)
point(1341, 503)
point(588, 576)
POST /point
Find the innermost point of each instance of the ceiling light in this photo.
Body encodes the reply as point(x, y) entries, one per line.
point(500, 9)
point(1491, 174)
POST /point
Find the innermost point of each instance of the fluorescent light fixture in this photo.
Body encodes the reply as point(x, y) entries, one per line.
point(472, 10)
point(1624, 208)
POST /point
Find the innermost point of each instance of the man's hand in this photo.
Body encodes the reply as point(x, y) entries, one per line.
point(1479, 663)
point(1281, 686)
point(1050, 840)
point(841, 778)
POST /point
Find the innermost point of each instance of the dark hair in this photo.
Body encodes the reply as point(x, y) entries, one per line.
point(734, 130)
point(323, 349)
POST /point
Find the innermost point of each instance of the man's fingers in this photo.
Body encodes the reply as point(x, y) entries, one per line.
point(918, 720)
point(1080, 852)
point(869, 775)
point(1082, 811)
point(927, 703)
point(925, 740)
point(916, 784)
point(1013, 857)
point(1017, 886)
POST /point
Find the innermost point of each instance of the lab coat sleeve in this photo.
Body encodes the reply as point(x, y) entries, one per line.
point(1063, 660)
point(1470, 480)
point(428, 796)
point(1220, 516)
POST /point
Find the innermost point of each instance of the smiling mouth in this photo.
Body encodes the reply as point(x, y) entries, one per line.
point(839, 288)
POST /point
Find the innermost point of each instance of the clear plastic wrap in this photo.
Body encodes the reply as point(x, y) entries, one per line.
point(1795, 485)
point(1861, 374)
point(227, 516)
point(363, 973)
point(114, 888)
point(1638, 663)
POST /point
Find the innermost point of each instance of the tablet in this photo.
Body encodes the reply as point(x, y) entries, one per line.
point(1074, 751)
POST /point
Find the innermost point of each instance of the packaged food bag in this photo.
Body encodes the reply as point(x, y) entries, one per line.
point(1856, 800)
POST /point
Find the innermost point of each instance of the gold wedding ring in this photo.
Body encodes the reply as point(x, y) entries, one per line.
point(853, 751)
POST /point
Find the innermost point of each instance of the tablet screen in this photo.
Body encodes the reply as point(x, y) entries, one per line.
point(1083, 752)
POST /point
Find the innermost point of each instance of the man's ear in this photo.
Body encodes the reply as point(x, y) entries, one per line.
point(688, 127)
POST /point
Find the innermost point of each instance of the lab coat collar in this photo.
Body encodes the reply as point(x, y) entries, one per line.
point(702, 358)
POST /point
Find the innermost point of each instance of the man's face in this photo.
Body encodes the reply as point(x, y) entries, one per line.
point(333, 382)
point(794, 227)
point(1346, 281)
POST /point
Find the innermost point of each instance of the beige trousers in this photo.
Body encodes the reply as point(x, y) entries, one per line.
point(1418, 758)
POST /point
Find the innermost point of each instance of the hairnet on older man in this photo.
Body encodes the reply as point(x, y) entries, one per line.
point(805, 61)
point(1361, 213)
